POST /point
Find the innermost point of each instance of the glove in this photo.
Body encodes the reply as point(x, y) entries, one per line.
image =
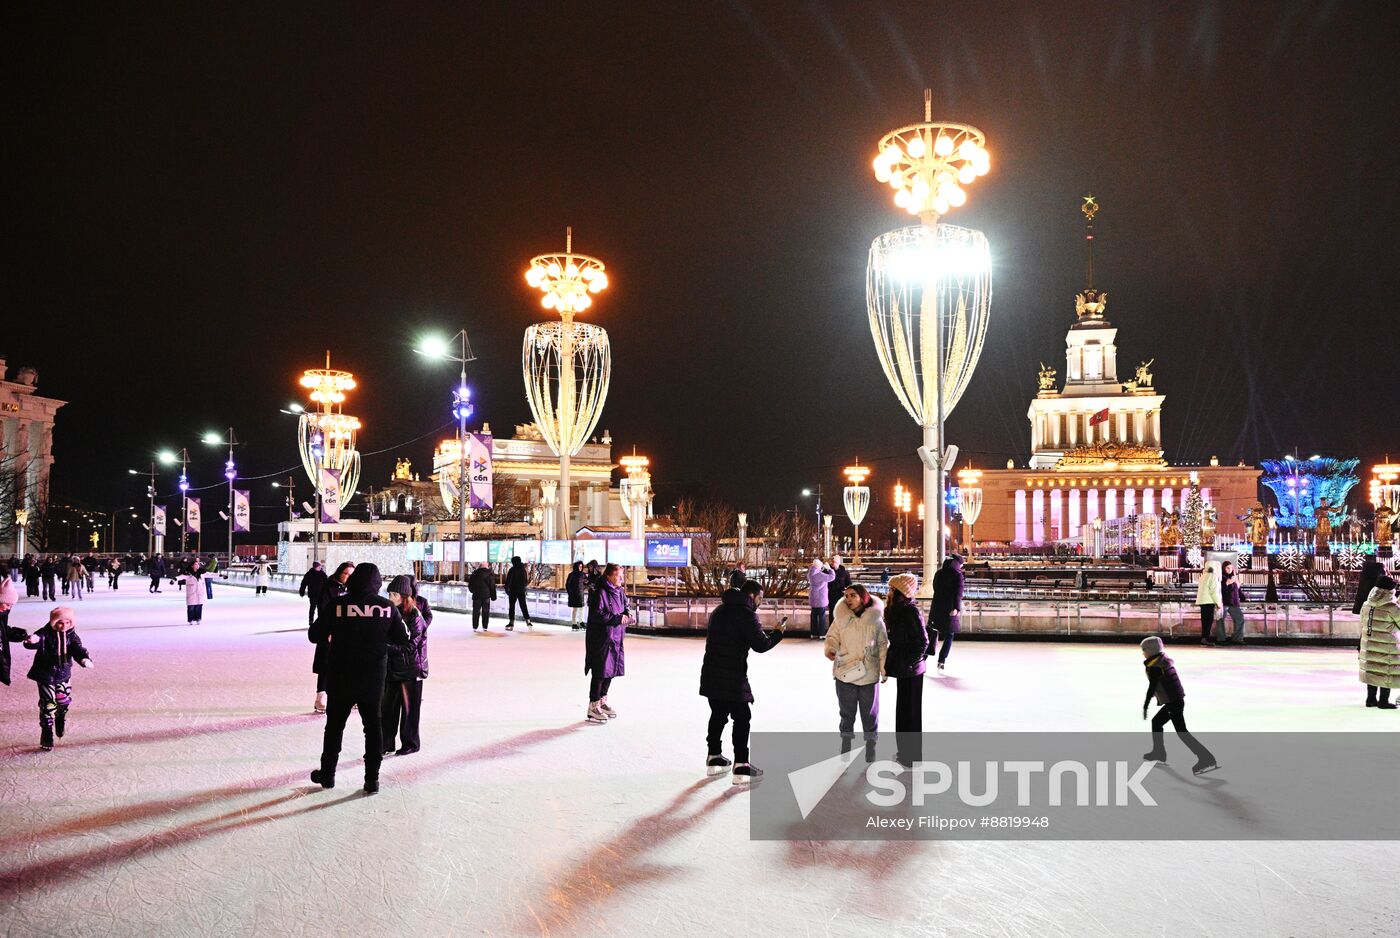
point(1144, 711)
point(85, 663)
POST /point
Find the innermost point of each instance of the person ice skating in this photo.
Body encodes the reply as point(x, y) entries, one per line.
point(90, 571)
point(212, 568)
point(1164, 684)
point(155, 569)
point(31, 577)
point(839, 581)
point(313, 584)
point(517, 579)
point(603, 642)
point(193, 581)
point(335, 588)
point(65, 563)
point(481, 583)
point(1231, 608)
point(857, 646)
point(76, 578)
point(8, 597)
point(576, 585)
point(114, 572)
point(263, 572)
point(819, 577)
point(733, 631)
point(1380, 653)
point(48, 572)
point(56, 646)
point(1371, 571)
point(945, 609)
point(905, 663)
point(359, 628)
point(1208, 599)
point(407, 667)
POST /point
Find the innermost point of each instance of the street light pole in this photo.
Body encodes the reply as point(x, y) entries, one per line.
point(151, 495)
point(462, 410)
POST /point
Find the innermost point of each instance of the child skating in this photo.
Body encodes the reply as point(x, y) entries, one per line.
point(57, 646)
point(1164, 683)
point(193, 581)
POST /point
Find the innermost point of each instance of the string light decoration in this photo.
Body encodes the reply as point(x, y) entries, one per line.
point(1192, 516)
point(325, 435)
point(856, 499)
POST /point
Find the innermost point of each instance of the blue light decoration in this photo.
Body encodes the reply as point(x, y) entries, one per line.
point(1300, 484)
point(462, 407)
point(952, 498)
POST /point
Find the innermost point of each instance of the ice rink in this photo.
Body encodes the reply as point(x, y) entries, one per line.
point(179, 804)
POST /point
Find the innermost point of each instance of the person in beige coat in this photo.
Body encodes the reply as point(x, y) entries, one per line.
point(856, 645)
point(1208, 599)
point(1380, 650)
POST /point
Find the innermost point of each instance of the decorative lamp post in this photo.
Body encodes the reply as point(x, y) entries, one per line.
point(462, 409)
point(326, 438)
point(743, 536)
point(928, 288)
point(826, 536)
point(970, 501)
point(856, 497)
point(636, 493)
point(151, 496)
point(230, 473)
point(169, 458)
point(21, 519)
point(567, 365)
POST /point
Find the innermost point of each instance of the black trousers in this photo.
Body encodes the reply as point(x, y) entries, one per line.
point(909, 718)
point(1176, 715)
point(481, 613)
point(721, 712)
point(940, 632)
point(524, 609)
point(311, 612)
point(155, 584)
point(598, 687)
point(341, 699)
point(1207, 619)
point(402, 700)
point(194, 612)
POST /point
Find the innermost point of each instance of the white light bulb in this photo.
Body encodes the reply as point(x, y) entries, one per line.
point(943, 145)
point(550, 301)
point(554, 270)
point(966, 175)
point(583, 302)
point(956, 196)
point(901, 198)
point(968, 148)
point(920, 189)
point(533, 275)
point(917, 147)
point(571, 271)
point(882, 172)
point(940, 205)
point(599, 282)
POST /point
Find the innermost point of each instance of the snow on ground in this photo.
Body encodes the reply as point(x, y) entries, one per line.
point(179, 802)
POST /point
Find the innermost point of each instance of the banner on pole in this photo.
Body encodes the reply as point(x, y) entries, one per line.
point(479, 470)
point(192, 514)
point(242, 511)
point(158, 521)
point(1098, 418)
point(330, 496)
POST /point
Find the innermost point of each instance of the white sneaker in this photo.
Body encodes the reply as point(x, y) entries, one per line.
point(595, 714)
point(320, 705)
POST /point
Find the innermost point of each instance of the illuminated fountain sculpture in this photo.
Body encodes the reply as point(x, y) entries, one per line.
point(567, 365)
point(325, 434)
point(856, 498)
point(928, 290)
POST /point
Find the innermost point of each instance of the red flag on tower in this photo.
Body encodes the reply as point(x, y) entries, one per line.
point(1100, 417)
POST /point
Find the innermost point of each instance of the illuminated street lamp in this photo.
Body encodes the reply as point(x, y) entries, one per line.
point(230, 473)
point(970, 500)
point(567, 365)
point(462, 408)
point(856, 497)
point(168, 458)
point(326, 438)
point(636, 492)
point(928, 289)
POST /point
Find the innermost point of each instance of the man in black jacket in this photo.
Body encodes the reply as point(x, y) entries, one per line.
point(359, 628)
point(517, 579)
point(724, 675)
point(313, 584)
point(945, 607)
point(482, 585)
point(1164, 684)
point(837, 589)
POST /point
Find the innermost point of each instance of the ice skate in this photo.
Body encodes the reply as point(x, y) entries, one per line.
point(717, 765)
point(406, 751)
point(59, 719)
point(371, 786)
point(1155, 756)
point(941, 666)
point(324, 779)
point(745, 774)
point(320, 705)
point(608, 712)
point(870, 750)
point(1204, 767)
point(595, 714)
point(529, 625)
point(46, 739)
point(510, 627)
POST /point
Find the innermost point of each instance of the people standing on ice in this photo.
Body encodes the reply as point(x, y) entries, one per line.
point(603, 642)
point(481, 583)
point(193, 581)
point(1164, 684)
point(517, 579)
point(8, 597)
point(13, 566)
point(595, 577)
point(155, 569)
point(90, 571)
point(575, 586)
point(732, 632)
point(114, 572)
point(1231, 608)
point(56, 646)
point(313, 584)
point(945, 609)
point(77, 578)
point(738, 576)
point(31, 576)
point(1380, 652)
point(213, 568)
point(819, 577)
point(358, 628)
point(1208, 599)
point(905, 663)
point(840, 580)
point(407, 667)
point(1371, 571)
point(857, 646)
point(263, 575)
point(334, 589)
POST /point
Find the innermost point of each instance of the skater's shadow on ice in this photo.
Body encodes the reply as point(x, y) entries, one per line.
point(133, 628)
point(501, 749)
point(175, 733)
point(281, 632)
point(1215, 789)
point(616, 866)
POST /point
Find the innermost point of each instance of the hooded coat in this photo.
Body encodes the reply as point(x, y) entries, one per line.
point(516, 579)
point(947, 595)
point(854, 636)
point(193, 582)
point(359, 628)
point(1371, 571)
point(409, 662)
point(602, 642)
point(313, 583)
point(908, 637)
point(1163, 681)
point(733, 631)
point(55, 650)
point(481, 582)
point(333, 590)
point(819, 578)
point(576, 585)
point(1380, 648)
point(1208, 589)
point(8, 634)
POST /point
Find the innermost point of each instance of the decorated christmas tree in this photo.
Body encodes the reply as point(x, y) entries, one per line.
point(1192, 514)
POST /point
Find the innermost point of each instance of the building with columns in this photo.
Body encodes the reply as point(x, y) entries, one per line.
point(26, 453)
point(1096, 445)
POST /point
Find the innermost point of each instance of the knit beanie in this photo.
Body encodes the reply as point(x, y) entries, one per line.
point(1385, 583)
point(1152, 645)
point(8, 593)
point(906, 583)
point(401, 584)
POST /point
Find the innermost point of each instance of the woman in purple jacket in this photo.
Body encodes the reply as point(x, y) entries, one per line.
point(602, 642)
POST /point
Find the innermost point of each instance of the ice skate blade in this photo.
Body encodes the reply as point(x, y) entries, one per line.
point(746, 781)
point(713, 770)
point(1205, 771)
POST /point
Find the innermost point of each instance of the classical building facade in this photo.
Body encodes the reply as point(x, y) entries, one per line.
point(26, 453)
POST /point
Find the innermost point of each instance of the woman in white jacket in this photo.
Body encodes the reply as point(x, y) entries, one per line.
point(856, 645)
point(1380, 644)
point(1208, 598)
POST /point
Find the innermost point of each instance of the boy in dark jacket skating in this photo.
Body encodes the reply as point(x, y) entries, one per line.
point(732, 632)
point(57, 646)
point(1164, 684)
point(482, 585)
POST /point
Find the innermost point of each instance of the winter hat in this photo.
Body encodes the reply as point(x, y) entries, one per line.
point(8, 593)
point(906, 583)
point(401, 584)
point(60, 612)
point(1152, 644)
point(1382, 583)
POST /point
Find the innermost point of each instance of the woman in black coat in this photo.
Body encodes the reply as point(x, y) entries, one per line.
point(333, 589)
point(905, 663)
point(575, 586)
point(407, 667)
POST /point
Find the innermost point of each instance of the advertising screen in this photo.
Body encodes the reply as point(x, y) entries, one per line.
point(626, 552)
point(556, 552)
point(668, 552)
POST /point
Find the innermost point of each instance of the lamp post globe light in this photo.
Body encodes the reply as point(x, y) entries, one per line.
point(326, 438)
point(928, 289)
point(230, 473)
point(970, 500)
point(636, 492)
point(856, 498)
point(462, 409)
point(567, 365)
point(170, 458)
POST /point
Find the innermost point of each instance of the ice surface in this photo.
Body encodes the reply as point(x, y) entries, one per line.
point(178, 804)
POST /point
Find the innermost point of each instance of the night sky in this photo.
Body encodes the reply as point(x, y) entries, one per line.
point(201, 202)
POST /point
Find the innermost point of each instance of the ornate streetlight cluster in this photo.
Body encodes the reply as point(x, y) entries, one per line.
point(326, 435)
point(856, 497)
point(928, 164)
